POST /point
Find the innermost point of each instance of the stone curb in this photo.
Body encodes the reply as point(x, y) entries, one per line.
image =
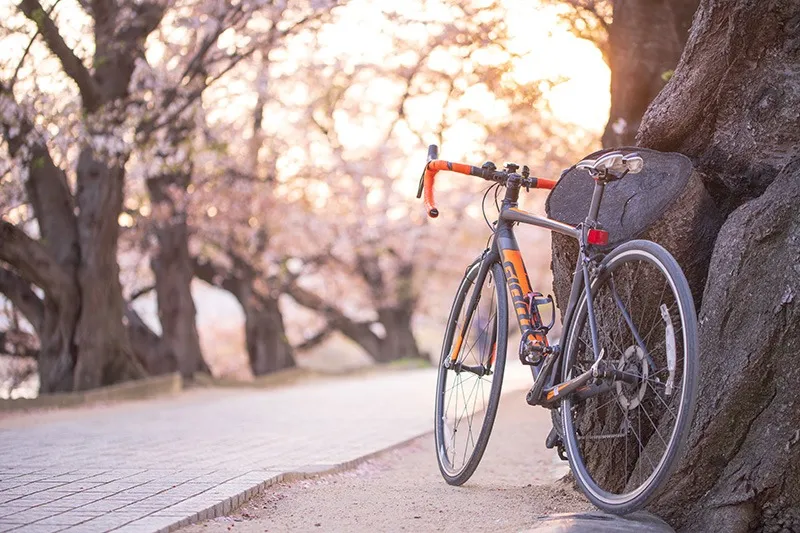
point(229, 505)
point(129, 390)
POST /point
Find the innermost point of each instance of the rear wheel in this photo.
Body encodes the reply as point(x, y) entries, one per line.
point(623, 443)
point(471, 372)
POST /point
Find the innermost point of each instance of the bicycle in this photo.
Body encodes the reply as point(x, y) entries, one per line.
point(622, 389)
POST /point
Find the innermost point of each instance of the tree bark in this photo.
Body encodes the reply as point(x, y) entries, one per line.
point(741, 471)
point(731, 105)
point(172, 266)
point(152, 351)
point(399, 341)
point(645, 41)
point(100, 335)
point(268, 348)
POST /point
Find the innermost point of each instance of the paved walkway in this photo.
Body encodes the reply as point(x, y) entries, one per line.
point(156, 465)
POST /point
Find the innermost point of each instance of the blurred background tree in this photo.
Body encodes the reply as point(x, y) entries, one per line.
point(258, 147)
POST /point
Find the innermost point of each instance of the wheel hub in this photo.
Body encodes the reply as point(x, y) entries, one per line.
point(632, 362)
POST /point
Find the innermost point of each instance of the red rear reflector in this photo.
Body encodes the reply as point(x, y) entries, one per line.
point(597, 236)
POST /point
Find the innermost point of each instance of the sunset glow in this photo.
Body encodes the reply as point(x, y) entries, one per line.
point(554, 53)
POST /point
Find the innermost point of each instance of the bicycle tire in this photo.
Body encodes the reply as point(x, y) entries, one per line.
point(452, 473)
point(653, 391)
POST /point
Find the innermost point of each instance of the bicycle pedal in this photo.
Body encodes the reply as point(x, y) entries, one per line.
point(532, 352)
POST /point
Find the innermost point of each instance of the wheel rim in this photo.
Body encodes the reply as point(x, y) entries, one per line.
point(626, 435)
point(463, 399)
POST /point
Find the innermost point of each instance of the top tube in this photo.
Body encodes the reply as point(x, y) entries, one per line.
point(514, 214)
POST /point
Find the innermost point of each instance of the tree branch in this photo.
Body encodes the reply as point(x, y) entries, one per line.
point(73, 66)
point(47, 187)
point(34, 262)
point(217, 276)
point(22, 296)
point(28, 48)
point(315, 340)
point(141, 292)
point(356, 331)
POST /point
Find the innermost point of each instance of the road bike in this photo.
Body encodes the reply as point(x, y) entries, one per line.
point(622, 383)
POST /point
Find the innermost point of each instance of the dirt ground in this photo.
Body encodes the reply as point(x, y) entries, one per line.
point(402, 490)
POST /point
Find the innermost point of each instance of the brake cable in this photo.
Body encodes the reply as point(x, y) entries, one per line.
point(496, 187)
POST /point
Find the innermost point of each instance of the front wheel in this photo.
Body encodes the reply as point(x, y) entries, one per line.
point(471, 371)
point(623, 442)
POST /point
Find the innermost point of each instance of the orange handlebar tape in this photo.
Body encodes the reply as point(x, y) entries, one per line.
point(430, 204)
point(430, 177)
point(545, 183)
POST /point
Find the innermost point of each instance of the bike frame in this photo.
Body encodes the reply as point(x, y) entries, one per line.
point(504, 248)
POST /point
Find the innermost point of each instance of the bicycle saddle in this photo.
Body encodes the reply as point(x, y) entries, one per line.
point(613, 162)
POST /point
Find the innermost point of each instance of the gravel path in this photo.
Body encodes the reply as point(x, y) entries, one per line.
point(402, 490)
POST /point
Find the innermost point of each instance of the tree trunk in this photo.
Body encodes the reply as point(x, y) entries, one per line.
point(742, 468)
point(740, 472)
point(731, 106)
point(100, 334)
point(268, 348)
point(645, 41)
point(36, 264)
point(173, 271)
point(83, 340)
point(399, 341)
point(152, 351)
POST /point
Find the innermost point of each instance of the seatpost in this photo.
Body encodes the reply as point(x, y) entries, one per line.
point(597, 197)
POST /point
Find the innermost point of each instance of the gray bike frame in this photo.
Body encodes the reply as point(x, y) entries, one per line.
point(504, 246)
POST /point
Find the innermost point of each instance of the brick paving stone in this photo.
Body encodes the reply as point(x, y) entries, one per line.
point(38, 528)
point(149, 466)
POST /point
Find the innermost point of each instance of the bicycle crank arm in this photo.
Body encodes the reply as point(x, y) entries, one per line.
point(555, 394)
point(590, 390)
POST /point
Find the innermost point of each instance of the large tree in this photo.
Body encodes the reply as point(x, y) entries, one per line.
point(731, 108)
point(83, 339)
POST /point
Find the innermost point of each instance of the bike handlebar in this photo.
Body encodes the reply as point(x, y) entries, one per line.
point(434, 165)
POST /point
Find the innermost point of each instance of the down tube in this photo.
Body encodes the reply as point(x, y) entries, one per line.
point(518, 282)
